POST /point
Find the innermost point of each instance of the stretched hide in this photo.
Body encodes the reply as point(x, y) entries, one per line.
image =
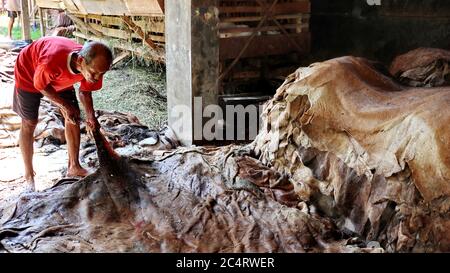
point(365, 150)
point(189, 200)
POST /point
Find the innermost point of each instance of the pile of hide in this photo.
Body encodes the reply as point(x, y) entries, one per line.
point(188, 200)
point(367, 152)
point(423, 67)
point(127, 136)
point(182, 200)
point(7, 61)
point(347, 160)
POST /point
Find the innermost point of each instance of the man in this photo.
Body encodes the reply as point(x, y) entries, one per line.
point(13, 8)
point(49, 67)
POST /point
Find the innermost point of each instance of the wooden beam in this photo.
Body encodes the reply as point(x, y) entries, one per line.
point(41, 22)
point(241, 19)
point(80, 23)
point(280, 8)
point(157, 55)
point(277, 73)
point(122, 34)
point(46, 4)
point(161, 5)
point(264, 45)
point(33, 11)
point(26, 34)
point(249, 30)
point(30, 8)
point(129, 22)
point(121, 56)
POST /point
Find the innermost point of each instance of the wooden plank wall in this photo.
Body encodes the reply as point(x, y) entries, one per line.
point(285, 32)
point(275, 45)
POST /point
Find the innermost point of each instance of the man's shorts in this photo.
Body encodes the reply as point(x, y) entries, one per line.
point(13, 14)
point(26, 104)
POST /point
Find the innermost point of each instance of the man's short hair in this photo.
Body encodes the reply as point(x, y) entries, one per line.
point(90, 50)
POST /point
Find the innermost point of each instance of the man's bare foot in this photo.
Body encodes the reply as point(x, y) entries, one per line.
point(29, 184)
point(77, 172)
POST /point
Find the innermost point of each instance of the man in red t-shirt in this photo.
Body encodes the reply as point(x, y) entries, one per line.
point(50, 67)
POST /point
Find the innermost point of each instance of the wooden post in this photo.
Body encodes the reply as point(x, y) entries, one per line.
point(192, 65)
point(29, 9)
point(31, 14)
point(41, 22)
point(46, 18)
point(26, 35)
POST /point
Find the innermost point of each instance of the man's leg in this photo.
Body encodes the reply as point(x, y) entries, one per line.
point(10, 26)
point(26, 105)
point(26, 140)
point(12, 15)
point(72, 132)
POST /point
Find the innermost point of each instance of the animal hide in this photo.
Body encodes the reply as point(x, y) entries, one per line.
point(423, 67)
point(365, 150)
point(347, 161)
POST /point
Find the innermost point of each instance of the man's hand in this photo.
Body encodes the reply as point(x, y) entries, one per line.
point(92, 123)
point(71, 113)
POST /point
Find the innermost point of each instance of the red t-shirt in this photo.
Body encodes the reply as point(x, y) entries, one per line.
point(46, 61)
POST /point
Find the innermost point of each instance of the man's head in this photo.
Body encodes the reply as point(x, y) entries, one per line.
point(94, 60)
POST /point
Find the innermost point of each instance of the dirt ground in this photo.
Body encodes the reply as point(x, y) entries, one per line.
point(126, 89)
point(51, 167)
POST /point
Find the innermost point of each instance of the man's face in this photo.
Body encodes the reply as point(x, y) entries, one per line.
point(94, 71)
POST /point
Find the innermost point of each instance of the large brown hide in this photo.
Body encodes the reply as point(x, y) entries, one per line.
point(347, 161)
point(364, 149)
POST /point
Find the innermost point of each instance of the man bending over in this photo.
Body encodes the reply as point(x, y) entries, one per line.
point(50, 67)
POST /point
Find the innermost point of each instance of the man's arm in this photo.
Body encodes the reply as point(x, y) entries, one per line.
point(88, 104)
point(69, 111)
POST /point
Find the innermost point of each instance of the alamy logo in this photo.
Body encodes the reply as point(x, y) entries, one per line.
point(374, 2)
point(212, 122)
